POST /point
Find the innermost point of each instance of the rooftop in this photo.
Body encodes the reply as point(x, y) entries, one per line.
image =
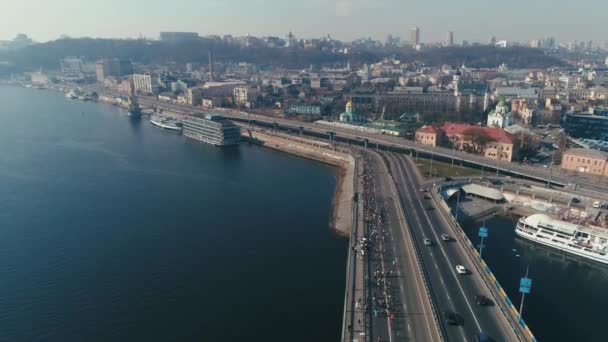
point(585, 152)
point(483, 191)
point(492, 133)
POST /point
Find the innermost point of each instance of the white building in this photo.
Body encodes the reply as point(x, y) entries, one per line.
point(144, 83)
point(245, 96)
point(501, 117)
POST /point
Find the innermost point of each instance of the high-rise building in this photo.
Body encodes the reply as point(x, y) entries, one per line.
point(450, 38)
point(178, 36)
point(415, 35)
point(145, 83)
point(71, 66)
point(112, 67)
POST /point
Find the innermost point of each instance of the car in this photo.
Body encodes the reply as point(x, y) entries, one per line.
point(426, 197)
point(422, 190)
point(427, 242)
point(452, 318)
point(482, 337)
point(445, 237)
point(482, 300)
point(461, 269)
point(575, 200)
point(597, 204)
point(429, 207)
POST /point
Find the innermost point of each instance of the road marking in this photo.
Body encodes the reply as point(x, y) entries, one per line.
point(411, 206)
point(409, 247)
point(428, 220)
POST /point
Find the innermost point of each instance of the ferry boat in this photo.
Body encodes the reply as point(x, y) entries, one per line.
point(166, 123)
point(587, 242)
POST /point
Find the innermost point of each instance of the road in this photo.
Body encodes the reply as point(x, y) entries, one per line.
point(400, 308)
point(451, 291)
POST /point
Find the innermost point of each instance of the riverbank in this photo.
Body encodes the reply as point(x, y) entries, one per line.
point(342, 159)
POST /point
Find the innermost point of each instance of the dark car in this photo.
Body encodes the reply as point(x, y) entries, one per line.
point(452, 318)
point(575, 200)
point(483, 300)
point(482, 337)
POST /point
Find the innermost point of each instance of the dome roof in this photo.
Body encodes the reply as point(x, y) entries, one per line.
point(502, 103)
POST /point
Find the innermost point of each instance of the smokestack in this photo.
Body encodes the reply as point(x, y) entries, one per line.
point(210, 66)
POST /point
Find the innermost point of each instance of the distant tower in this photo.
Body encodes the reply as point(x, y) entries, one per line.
point(290, 40)
point(492, 41)
point(486, 100)
point(415, 35)
point(456, 82)
point(450, 38)
point(210, 66)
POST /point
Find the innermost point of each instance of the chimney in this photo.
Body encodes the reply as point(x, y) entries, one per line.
point(210, 66)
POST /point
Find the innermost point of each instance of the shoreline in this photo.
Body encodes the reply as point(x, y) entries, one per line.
point(341, 160)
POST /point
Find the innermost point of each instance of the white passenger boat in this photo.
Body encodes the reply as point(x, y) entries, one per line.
point(166, 123)
point(587, 242)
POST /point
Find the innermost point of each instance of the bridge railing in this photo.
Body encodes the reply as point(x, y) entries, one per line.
point(520, 328)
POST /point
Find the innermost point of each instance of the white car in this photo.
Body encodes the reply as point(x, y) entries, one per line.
point(427, 242)
point(445, 237)
point(461, 269)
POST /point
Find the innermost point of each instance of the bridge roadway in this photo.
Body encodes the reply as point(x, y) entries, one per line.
point(396, 280)
point(451, 291)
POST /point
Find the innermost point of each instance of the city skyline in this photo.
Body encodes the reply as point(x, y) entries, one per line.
point(348, 19)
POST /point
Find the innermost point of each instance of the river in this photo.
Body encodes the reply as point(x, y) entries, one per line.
point(568, 293)
point(118, 231)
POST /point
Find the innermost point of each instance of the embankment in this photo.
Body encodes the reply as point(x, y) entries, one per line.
point(342, 159)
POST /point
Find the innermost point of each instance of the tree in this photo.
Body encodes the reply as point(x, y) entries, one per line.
point(527, 143)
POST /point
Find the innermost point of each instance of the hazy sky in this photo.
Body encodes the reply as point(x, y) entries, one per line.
point(473, 20)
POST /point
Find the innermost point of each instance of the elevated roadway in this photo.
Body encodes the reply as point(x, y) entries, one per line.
point(401, 308)
point(451, 291)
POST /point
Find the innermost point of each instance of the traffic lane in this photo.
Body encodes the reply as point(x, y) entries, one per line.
point(440, 285)
point(408, 326)
point(463, 291)
point(409, 287)
point(490, 319)
point(443, 284)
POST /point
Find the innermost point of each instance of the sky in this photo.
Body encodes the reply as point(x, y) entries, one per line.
point(472, 20)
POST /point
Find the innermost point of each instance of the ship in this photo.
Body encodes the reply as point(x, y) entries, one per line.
point(166, 123)
point(212, 129)
point(71, 95)
point(587, 242)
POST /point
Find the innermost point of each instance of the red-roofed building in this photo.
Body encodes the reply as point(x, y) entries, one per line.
point(493, 143)
point(429, 135)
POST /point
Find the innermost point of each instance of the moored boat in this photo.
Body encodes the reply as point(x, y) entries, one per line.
point(584, 241)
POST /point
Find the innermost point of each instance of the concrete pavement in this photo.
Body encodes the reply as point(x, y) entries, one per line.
point(451, 291)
